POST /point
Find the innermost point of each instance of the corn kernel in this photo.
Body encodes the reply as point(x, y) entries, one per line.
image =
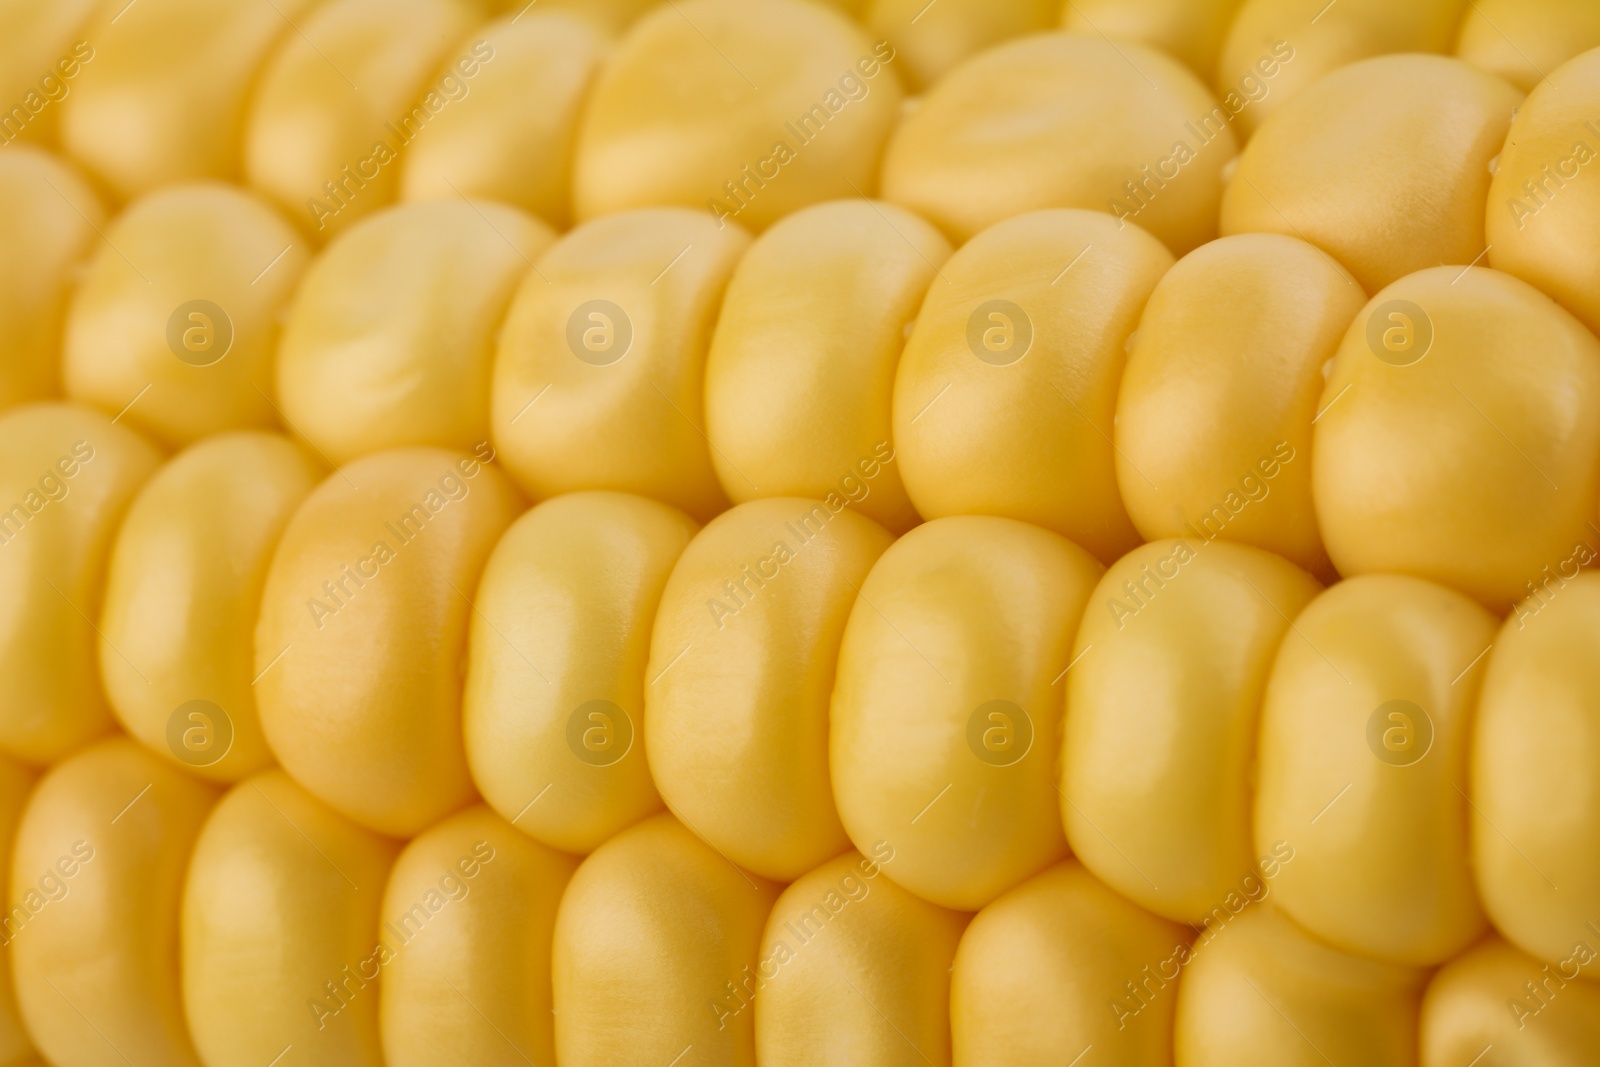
point(1170, 665)
point(748, 112)
point(554, 706)
point(947, 705)
point(1215, 411)
point(1536, 825)
point(614, 323)
point(1363, 763)
point(1496, 997)
point(1188, 30)
point(1543, 217)
point(1264, 993)
point(1062, 120)
point(1383, 164)
point(1523, 41)
point(67, 474)
point(850, 961)
point(175, 324)
point(183, 589)
point(741, 672)
point(654, 926)
point(469, 913)
point(800, 376)
point(1038, 969)
point(1006, 390)
point(513, 142)
point(1319, 42)
point(99, 860)
point(391, 339)
point(280, 920)
point(1459, 437)
point(138, 119)
point(361, 645)
point(338, 102)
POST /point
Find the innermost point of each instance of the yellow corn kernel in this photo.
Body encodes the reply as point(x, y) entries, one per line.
point(947, 704)
point(1536, 834)
point(1171, 661)
point(800, 377)
point(1383, 164)
point(66, 475)
point(1314, 43)
point(183, 590)
point(1214, 415)
point(852, 966)
point(469, 914)
point(1494, 996)
point(391, 338)
point(339, 101)
point(745, 112)
point(1522, 41)
point(140, 117)
point(97, 874)
point(1191, 31)
point(1005, 394)
point(48, 219)
point(931, 40)
point(1029, 125)
point(741, 672)
point(42, 52)
point(1544, 217)
point(176, 323)
point(280, 921)
point(1364, 741)
point(16, 783)
point(361, 645)
point(1038, 969)
point(613, 323)
point(1460, 435)
point(508, 133)
point(1261, 992)
point(653, 928)
point(554, 702)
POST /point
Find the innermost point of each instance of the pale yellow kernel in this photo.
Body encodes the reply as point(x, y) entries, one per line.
point(175, 325)
point(98, 868)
